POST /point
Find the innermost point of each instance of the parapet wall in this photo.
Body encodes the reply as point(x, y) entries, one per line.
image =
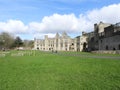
point(107, 51)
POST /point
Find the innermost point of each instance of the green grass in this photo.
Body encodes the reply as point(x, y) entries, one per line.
point(53, 71)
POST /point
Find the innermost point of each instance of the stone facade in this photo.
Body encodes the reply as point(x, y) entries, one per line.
point(58, 43)
point(111, 38)
point(104, 37)
point(98, 31)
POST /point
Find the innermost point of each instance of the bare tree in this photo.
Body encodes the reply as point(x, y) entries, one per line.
point(28, 44)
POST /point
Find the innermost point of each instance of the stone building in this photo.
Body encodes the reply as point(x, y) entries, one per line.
point(98, 31)
point(84, 42)
point(104, 37)
point(58, 43)
point(111, 38)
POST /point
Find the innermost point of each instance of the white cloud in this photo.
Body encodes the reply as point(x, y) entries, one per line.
point(72, 24)
point(67, 22)
point(56, 23)
point(109, 13)
point(13, 26)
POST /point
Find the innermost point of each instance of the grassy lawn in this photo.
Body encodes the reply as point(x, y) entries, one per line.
point(36, 70)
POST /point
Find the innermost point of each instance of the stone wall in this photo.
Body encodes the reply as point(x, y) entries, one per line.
point(110, 43)
point(104, 37)
point(57, 43)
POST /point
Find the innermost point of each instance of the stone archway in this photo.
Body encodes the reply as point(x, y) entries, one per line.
point(84, 46)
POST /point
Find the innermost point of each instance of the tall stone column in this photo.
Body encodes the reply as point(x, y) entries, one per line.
point(46, 42)
point(59, 45)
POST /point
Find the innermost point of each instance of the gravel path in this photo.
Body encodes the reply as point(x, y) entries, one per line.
point(90, 56)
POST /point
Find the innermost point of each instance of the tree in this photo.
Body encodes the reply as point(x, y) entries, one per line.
point(31, 44)
point(18, 42)
point(6, 40)
point(28, 44)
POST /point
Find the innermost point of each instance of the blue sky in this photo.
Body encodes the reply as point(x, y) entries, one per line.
point(38, 17)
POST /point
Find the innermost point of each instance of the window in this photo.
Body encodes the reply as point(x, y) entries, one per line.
point(106, 47)
point(92, 39)
point(114, 49)
point(119, 47)
point(37, 48)
point(66, 49)
point(97, 41)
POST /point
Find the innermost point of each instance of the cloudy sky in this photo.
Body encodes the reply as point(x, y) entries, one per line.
point(35, 18)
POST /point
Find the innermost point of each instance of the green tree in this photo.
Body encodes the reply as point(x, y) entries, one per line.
point(18, 42)
point(6, 40)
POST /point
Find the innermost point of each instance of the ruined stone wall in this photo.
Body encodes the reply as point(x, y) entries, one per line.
point(110, 43)
point(59, 43)
point(101, 26)
point(83, 42)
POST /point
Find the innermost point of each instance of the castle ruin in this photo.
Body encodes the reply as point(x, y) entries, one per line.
point(104, 37)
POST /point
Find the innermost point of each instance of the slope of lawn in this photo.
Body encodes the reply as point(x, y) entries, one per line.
point(52, 71)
